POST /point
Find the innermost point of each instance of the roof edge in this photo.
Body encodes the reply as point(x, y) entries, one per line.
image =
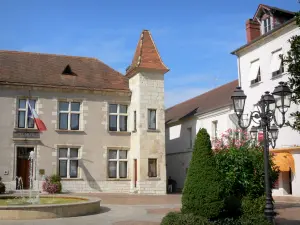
point(264, 36)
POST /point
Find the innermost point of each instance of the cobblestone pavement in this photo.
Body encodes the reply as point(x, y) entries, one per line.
point(144, 210)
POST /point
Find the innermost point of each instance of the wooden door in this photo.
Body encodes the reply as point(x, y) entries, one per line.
point(135, 172)
point(23, 167)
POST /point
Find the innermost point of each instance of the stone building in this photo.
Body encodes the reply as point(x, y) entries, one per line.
point(105, 131)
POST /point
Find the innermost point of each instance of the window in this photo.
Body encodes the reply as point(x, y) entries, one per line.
point(69, 115)
point(152, 167)
point(277, 67)
point(254, 75)
point(215, 129)
point(190, 137)
point(267, 26)
point(134, 120)
point(68, 162)
point(118, 117)
point(117, 163)
point(152, 119)
point(23, 120)
point(257, 79)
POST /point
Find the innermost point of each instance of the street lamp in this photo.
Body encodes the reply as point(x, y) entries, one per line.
point(280, 99)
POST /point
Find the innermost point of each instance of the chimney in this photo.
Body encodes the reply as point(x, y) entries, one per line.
point(252, 30)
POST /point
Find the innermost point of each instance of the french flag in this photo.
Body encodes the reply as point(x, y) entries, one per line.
point(32, 114)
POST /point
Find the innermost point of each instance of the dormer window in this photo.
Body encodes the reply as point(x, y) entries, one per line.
point(267, 25)
point(68, 71)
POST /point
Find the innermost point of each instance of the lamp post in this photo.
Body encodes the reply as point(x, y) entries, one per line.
point(280, 99)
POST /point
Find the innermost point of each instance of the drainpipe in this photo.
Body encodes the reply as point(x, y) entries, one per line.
point(239, 71)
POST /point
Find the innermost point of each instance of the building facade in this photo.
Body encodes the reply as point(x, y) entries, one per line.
point(212, 110)
point(260, 69)
point(105, 131)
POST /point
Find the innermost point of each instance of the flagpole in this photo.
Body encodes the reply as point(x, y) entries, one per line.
point(36, 176)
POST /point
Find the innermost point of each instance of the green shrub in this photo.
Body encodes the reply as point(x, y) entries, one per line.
point(252, 207)
point(241, 164)
point(55, 178)
point(176, 218)
point(227, 221)
point(2, 186)
point(202, 192)
point(254, 220)
point(52, 184)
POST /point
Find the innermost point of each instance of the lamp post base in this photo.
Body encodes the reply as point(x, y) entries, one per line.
point(269, 210)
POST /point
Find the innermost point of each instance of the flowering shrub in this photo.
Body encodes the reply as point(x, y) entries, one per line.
point(241, 162)
point(52, 184)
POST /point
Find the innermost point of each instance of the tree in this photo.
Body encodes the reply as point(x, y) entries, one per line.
point(202, 192)
point(292, 60)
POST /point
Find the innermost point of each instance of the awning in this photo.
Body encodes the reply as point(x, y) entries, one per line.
point(253, 70)
point(276, 61)
point(285, 161)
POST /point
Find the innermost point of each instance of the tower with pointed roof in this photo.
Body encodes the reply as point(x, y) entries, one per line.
point(146, 82)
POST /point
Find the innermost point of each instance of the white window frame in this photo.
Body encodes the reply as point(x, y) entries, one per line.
point(148, 117)
point(118, 160)
point(68, 158)
point(70, 112)
point(156, 167)
point(215, 129)
point(26, 113)
point(267, 25)
point(118, 114)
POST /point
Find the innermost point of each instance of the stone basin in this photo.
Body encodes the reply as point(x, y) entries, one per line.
point(84, 206)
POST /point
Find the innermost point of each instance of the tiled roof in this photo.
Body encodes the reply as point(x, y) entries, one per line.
point(146, 56)
point(209, 101)
point(286, 12)
point(46, 70)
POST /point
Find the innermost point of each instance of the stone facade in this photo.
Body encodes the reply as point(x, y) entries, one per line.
point(148, 93)
point(93, 139)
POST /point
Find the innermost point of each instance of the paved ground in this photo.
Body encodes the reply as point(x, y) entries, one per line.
point(122, 209)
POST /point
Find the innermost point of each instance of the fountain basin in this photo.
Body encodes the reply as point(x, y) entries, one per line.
point(56, 206)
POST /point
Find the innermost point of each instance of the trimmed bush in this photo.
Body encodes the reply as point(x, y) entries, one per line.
point(176, 218)
point(202, 192)
point(253, 206)
point(2, 186)
point(254, 220)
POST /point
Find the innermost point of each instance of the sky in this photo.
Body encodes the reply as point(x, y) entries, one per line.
point(193, 37)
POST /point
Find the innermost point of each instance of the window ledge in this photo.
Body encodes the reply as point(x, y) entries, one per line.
point(278, 76)
point(33, 130)
point(255, 84)
point(153, 178)
point(119, 132)
point(153, 131)
point(72, 179)
point(69, 131)
point(118, 179)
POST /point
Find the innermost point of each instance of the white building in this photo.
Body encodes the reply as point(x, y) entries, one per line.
point(260, 69)
point(212, 110)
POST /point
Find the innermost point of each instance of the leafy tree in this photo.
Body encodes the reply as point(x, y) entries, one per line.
point(202, 192)
point(292, 60)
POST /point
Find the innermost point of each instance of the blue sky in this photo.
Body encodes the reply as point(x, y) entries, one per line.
point(194, 37)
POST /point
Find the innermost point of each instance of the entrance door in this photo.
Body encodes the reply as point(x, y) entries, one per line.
point(23, 165)
point(290, 182)
point(135, 172)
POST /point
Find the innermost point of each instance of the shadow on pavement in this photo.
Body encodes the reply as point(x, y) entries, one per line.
point(281, 221)
point(104, 209)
